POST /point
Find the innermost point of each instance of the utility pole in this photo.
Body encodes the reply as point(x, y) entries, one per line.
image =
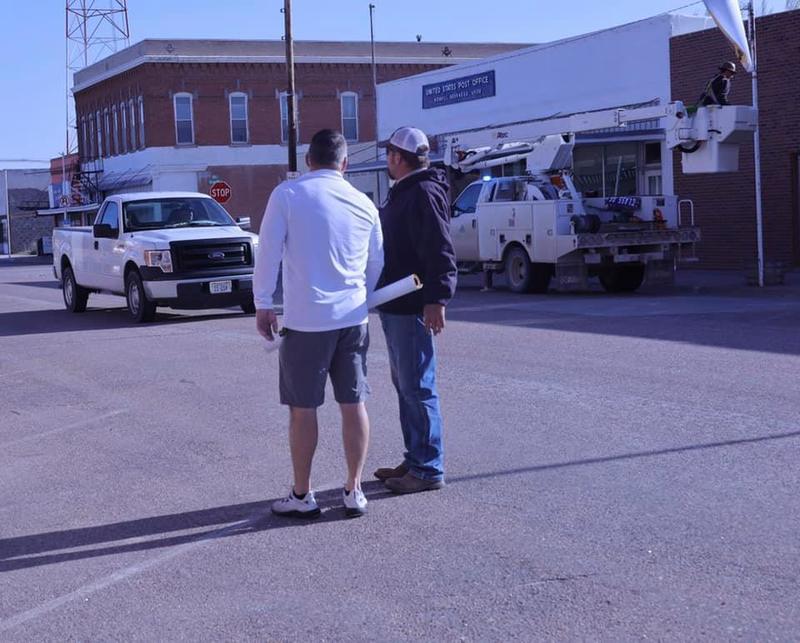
point(290, 96)
point(375, 97)
point(757, 146)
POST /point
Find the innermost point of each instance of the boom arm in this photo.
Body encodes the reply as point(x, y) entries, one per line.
point(712, 132)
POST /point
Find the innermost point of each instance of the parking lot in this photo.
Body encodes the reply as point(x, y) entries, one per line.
point(619, 467)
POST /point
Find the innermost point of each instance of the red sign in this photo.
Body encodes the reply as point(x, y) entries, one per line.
point(220, 192)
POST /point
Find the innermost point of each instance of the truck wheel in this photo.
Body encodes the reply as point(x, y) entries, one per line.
point(524, 276)
point(518, 270)
point(248, 307)
point(622, 278)
point(75, 296)
point(139, 306)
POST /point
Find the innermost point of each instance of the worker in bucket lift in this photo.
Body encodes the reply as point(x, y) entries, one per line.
point(718, 88)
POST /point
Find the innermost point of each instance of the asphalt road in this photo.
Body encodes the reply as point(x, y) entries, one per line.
point(619, 468)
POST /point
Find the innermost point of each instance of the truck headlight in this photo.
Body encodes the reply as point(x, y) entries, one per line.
point(158, 259)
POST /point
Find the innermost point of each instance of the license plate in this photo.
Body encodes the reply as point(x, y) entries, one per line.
point(219, 287)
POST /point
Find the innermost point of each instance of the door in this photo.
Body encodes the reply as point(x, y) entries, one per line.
point(110, 252)
point(88, 271)
point(464, 224)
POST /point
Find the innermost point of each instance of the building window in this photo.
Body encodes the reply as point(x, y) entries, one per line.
point(106, 133)
point(115, 121)
point(652, 153)
point(285, 117)
point(606, 170)
point(123, 115)
point(132, 108)
point(184, 122)
point(90, 120)
point(238, 111)
point(84, 139)
point(621, 169)
point(141, 122)
point(349, 104)
point(99, 120)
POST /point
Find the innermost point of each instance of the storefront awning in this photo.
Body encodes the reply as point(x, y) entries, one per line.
point(72, 209)
point(127, 179)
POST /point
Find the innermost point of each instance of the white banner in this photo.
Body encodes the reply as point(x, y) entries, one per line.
point(728, 16)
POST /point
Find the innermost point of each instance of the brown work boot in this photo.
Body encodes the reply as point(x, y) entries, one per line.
point(411, 484)
point(384, 473)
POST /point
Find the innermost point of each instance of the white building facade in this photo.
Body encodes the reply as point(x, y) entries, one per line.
point(620, 67)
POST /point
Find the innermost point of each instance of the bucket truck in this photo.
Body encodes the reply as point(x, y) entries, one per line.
point(537, 227)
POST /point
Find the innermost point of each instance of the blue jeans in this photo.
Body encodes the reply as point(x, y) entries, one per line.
point(412, 359)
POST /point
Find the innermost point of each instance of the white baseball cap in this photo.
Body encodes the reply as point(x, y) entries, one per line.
point(409, 139)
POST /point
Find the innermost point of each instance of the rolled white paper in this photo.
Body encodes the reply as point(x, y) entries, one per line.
point(376, 298)
point(393, 291)
point(275, 344)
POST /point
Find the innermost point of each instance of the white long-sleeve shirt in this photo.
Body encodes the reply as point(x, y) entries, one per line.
point(328, 235)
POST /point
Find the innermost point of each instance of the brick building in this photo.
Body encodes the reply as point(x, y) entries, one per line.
point(181, 114)
point(725, 203)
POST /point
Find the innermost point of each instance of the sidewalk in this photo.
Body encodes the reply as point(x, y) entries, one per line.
point(733, 282)
point(26, 260)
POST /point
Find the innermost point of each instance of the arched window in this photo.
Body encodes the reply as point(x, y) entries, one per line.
point(106, 133)
point(100, 137)
point(141, 122)
point(132, 111)
point(123, 117)
point(115, 121)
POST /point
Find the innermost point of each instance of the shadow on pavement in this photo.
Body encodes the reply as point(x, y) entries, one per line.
point(765, 323)
point(42, 322)
point(236, 520)
point(26, 551)
point(36, 284)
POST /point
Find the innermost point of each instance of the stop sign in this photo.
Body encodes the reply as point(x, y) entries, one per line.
point(220, 192)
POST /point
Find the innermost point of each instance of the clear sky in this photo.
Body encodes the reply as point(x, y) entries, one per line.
point(32, 40)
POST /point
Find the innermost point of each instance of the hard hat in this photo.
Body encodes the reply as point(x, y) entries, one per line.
point(728, 66)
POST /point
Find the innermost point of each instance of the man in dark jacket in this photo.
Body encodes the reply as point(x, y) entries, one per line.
point(416, 230)
point(718, 88)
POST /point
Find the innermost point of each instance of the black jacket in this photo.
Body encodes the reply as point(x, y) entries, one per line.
point(416, 240)
point(716, 91)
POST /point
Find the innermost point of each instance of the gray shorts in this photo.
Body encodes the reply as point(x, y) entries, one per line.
point(306, 360)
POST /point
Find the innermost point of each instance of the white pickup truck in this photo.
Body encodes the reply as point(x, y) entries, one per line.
point(175, 249)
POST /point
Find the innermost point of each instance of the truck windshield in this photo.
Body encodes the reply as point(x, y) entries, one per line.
point(152, 214)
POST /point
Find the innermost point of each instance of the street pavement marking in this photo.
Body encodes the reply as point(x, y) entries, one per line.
point(122, 574)
point(68, 427)
point(132, 570)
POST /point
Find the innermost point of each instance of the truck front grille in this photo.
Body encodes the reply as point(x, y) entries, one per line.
point(193, 256)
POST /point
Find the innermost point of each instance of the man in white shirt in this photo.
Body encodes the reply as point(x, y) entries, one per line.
point(328, 236)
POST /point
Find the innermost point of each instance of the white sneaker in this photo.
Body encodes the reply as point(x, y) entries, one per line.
point(294, 507)
point(355, 503)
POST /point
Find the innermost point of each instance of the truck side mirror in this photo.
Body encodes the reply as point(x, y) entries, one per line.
point(103, 231)
point(243, 222)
